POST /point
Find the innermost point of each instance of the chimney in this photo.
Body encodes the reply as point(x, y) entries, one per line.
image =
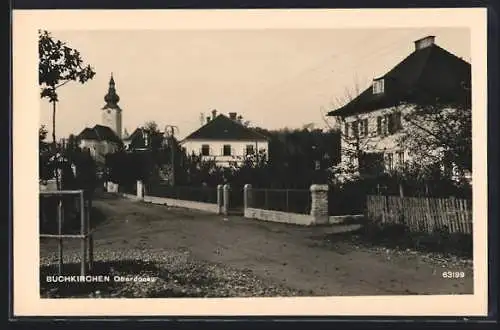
point(208, 119)
point(232, 115)
point(424, 42)
point(214, 113)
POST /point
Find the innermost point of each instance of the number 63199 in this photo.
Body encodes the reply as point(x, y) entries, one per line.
point(453, 274)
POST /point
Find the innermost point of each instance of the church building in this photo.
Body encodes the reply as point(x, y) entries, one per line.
point(106, 138)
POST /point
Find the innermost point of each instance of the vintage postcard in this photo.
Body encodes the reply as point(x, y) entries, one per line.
point(250, 162)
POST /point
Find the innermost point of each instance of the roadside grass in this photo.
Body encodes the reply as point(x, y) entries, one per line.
point(399, 237)
point(155, 274)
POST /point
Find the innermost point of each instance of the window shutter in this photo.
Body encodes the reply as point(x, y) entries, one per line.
point(379, 125)
point(390, 123)
point(397, 120)
point(366, 126)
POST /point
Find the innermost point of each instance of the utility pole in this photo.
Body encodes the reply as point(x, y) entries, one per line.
point(172, 128)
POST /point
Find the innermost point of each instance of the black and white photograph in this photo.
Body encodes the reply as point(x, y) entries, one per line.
point(250, 163)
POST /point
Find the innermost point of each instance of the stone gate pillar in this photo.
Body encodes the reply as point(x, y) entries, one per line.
point(220, 198)
point(226, 194)
point(140, 189)
point(319, 203)
point(247, 196)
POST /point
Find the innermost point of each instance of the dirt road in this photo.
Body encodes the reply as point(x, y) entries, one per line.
point(298, 257)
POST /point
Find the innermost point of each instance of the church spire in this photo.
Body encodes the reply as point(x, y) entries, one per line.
point(111, 98)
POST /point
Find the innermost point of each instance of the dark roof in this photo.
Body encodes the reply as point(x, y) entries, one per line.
point(99, 133)
point(138, 132)
point(88, 134)
point(426, 74)
point(224, 128)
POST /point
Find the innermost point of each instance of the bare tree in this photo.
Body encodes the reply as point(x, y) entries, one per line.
point(151, 126)
point(354, 133)
point(440, 133)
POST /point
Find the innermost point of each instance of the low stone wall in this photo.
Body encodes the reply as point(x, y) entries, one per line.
point(130, 196)
point(338, 219)
point(278, 216)
point(200, 206)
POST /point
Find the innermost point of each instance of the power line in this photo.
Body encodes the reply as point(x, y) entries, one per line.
point(308, 69)
point(364, 63)
point(381, 51)
point(387, 48)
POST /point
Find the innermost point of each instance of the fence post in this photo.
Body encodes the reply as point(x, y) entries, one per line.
point(286, 201)
point(59, 225)
point(247, 196)
point(83, 232)
point(220, 198)
point(226, 190)
point(319, 203)
point(140, 191)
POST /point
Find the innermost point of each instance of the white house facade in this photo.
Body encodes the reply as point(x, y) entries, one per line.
point(223, 152)
point(226, 141)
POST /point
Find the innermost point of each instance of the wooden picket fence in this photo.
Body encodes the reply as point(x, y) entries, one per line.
point(422, 214)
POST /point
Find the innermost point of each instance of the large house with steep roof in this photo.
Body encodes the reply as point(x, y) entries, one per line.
point(373, 121)
point(225, 140)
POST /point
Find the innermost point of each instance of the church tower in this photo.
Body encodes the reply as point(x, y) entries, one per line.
point(111, 112)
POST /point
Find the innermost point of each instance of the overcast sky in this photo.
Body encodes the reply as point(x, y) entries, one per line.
point(273, 78)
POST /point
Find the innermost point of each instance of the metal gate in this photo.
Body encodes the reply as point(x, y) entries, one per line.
point(235, 205)
point(71, 210)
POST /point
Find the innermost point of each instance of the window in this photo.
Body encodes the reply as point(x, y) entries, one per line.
point(249, 149)
point(378, 86)
point(385, 126)
point(389, 123)
point(396, 122)
point(354, 128)
point(389, 161)
point(205, 150)
point(401, 158)
point(393, 122)
point(226, 150)
point(346, 129)
point(363, 127)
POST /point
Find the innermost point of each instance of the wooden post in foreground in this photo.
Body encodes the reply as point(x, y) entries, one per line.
point(83, 232)
point(59, 232)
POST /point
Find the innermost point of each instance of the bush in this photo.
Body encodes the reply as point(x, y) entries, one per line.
point(399, 236)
